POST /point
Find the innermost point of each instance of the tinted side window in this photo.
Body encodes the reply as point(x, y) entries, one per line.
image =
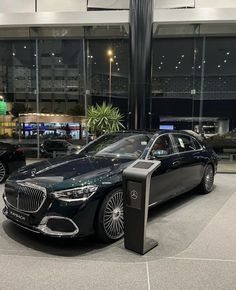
point(183, 143)
point(196, 144)
point(162, 146)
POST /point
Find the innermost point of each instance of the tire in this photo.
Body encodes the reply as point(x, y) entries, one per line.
point(207, 182)
point(110, 221)
point(3, 172)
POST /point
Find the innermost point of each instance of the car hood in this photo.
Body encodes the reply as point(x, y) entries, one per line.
point(71, 171)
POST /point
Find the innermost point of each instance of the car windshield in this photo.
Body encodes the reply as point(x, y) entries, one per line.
point(120, 145)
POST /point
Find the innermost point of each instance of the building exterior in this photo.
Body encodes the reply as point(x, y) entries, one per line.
point(56, 52)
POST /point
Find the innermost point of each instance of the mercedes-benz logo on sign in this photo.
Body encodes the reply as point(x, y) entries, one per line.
point(134, 194)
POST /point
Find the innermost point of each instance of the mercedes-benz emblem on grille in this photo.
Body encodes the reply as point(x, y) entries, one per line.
point(33, 172)
point(134, 194)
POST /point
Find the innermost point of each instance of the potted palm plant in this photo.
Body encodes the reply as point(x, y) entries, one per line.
point(103, 119)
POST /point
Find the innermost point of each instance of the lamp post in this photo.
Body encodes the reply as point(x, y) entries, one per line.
point(110, 54)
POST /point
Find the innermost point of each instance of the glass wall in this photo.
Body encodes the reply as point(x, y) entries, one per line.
point(193, 88)
point(46, 74)
point(102, 67)
point(193, 81)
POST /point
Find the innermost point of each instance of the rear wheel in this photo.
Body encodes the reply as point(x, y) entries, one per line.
point(110, 223)
point(207, 182)
point(3, 172)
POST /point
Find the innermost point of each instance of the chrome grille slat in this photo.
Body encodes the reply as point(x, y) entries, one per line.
point(25, 197)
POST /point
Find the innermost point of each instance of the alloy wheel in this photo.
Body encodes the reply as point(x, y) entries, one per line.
point(2, 172)
point(209, 178)
point(113, 219)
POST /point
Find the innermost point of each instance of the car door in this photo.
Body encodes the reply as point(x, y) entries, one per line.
point(190, 161)
point(165, 179)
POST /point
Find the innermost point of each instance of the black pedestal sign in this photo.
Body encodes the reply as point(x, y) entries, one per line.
point(136, 186)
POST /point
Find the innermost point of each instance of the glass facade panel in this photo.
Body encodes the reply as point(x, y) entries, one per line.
point(194, 88)
point(100, 69)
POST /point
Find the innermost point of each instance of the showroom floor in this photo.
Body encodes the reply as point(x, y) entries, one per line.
point(196, 234)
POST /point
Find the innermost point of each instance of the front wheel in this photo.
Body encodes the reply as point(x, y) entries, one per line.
point(207, 182)
point(110, 223)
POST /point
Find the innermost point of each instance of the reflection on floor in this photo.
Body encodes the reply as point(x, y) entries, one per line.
point(196, 234)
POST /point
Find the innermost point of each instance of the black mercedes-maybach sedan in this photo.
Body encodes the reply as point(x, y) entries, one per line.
point(81, 194)
point(12, 157)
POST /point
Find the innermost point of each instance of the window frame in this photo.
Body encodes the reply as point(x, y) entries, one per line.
point(163, 156)
point(191, 138)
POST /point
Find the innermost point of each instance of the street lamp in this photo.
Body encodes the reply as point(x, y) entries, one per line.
point(110, 54)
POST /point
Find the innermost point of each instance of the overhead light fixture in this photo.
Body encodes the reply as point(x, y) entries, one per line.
point(179, 62)
point(176, 67)
point(225, 61)
point(182, 55)
point(219, 66)
point(53, 53)
point(228, 52)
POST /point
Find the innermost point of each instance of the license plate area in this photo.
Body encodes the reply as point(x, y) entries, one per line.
point(18, 216)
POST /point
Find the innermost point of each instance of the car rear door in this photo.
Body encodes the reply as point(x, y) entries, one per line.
point(191, 162)
point(165, 181)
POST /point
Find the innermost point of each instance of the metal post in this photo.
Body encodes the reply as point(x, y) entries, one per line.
point(202, 84)
point(37, 96)
point(110, 81)
point(85, 74)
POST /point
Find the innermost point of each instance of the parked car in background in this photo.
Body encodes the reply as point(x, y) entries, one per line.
point(56, 147)
point(79, 195)
point(12, 157)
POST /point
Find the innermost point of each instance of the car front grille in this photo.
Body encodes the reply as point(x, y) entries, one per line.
point(25, 197)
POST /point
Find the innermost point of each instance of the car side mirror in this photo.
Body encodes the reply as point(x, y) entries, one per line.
point(159, 153)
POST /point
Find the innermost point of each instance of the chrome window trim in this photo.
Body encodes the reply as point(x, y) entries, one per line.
point(172, 141)
point(163, 134)
point(190, 136)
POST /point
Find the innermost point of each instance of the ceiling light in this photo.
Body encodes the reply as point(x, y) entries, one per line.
point(13, 54)
point(53, 53)
point(179, 62)
point(176, 67)
point(199, 66)
point(163, 56)
point(182, 55)
point(161, 62)
point(118, 69)
point(219, 66)
point(159, 67)
point(25, 46)
point(225, 61)
point(228, 52)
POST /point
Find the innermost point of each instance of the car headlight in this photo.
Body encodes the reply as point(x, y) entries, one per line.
point(76, 194)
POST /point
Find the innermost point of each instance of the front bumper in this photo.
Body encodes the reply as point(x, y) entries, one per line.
point(50, 225)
